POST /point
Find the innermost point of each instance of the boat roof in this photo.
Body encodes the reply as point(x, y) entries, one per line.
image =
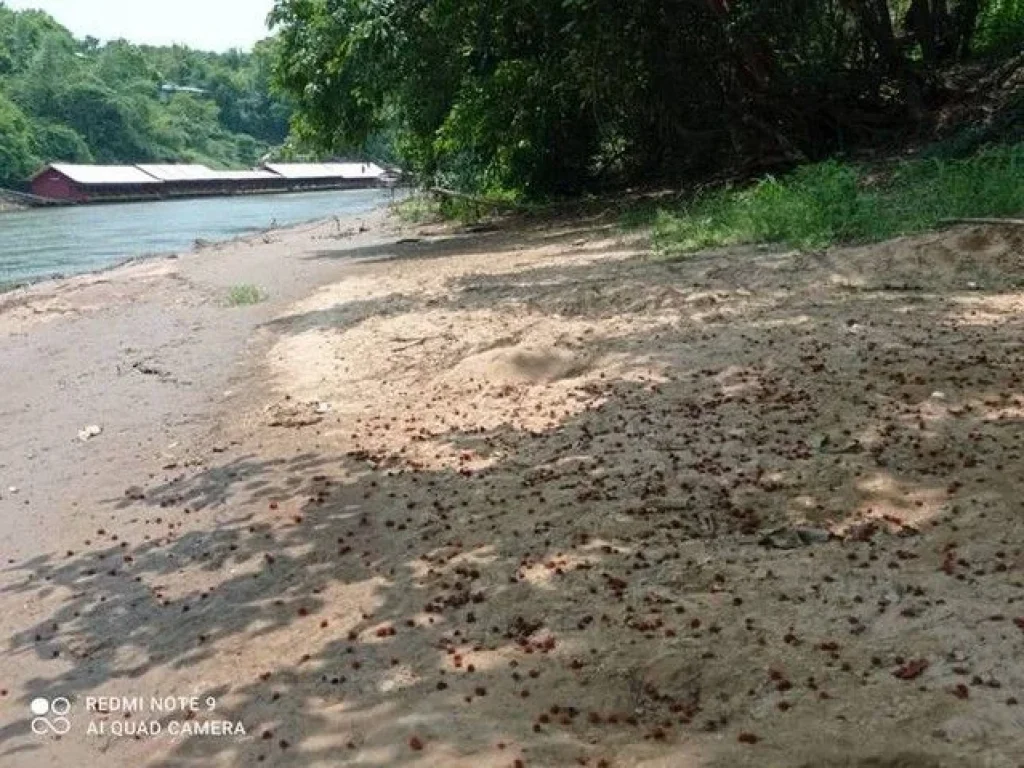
point(326, 170)
point(245, 175)
point(103, 174)
point(179, 172)
point(154, 173)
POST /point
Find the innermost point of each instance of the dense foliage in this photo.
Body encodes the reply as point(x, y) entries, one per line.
point(77, 100)
point(535, 96)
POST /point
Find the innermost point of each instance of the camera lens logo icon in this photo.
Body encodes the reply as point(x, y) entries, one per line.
point(50, 716)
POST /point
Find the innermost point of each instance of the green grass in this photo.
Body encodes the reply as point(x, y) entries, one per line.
point(418, 208)
point(641, 215)
point(245, 295)
point(425, 207)
point(833, 202)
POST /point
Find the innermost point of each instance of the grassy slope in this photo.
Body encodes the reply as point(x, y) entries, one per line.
point(834, 202)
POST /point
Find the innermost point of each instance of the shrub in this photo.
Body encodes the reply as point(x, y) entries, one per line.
point(835, 202)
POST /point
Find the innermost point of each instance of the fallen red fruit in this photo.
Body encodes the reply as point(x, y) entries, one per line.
point(416, 743)
point(911, 670)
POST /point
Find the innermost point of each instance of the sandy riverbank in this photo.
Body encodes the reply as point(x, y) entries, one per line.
point(100, 348)
point(522, 495)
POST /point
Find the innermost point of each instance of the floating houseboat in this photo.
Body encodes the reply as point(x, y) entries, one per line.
point(86, 183)
point(69, 184)
point(309, 176)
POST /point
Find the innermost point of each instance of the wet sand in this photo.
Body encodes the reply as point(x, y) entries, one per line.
point(149, 352)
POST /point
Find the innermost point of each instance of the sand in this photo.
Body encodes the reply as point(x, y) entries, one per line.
point(529, 496)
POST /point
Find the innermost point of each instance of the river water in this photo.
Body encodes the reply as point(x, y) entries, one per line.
point(43, 242)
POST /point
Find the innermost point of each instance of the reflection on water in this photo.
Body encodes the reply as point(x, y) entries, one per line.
point(48, 241)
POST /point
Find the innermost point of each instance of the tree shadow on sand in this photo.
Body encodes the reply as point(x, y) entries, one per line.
point(601, 588)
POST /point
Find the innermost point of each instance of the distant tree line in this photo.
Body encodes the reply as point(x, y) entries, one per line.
point(542, 96)
point(79, 101)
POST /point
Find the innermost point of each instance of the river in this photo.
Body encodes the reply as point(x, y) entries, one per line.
point(43, 242)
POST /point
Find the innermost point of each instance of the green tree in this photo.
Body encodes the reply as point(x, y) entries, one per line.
point(17, 160)
point(123, 103)
point(59, 142)
point(540, 96)
point(108, 122)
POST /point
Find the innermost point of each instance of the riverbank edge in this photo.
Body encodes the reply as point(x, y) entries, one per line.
point(6, 206)
point(59, 280)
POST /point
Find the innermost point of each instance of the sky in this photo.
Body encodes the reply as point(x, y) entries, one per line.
point(212, 25)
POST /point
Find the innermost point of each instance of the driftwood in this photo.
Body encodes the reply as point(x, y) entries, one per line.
point(483, 202)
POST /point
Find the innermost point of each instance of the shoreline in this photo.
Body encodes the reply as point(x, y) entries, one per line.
point(72, 349)
point(199, 245)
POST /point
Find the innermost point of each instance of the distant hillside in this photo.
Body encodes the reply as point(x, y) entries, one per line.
point(76, 100)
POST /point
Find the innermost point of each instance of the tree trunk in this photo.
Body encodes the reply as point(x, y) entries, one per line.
point(966, 23)
point(876, 22)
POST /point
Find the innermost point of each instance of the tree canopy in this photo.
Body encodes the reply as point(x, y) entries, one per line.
point(79, 101)
point(541, 96)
